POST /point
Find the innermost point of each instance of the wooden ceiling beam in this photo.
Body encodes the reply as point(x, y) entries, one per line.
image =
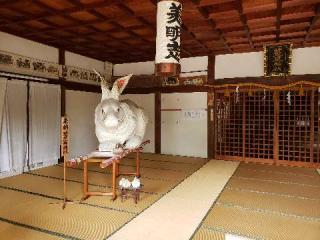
point(278, 21)
point(243, 19)
point(9, 3)
point(211, 23)
point(52, 12)
point(312, 24)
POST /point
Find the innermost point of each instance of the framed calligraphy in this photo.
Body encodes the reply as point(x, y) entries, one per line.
point(277, 60)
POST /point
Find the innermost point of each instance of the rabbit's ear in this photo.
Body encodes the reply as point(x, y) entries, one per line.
point(119, 85)
point(106, 93)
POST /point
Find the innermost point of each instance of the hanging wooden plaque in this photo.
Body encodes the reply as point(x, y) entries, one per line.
point(277, 60)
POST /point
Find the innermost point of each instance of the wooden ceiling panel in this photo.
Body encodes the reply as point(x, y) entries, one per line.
point(237, 40)
point(295, 3)
point(257, 6)
point(293, 34)
point(141, 7)
point(230, 25)
point(120, 35)
point(239, 33)
point(230, 14)
point(36, 24)
point(111, 12)
point(259, 31)
point(124, 30)
point(129, 22)
point(10, 14)
point(59, 33)
point(262, 22)
point(264, 38)
point(28, 7)
point(91, 1)
point(204, 3)
point(144, 31)
point(206, 36)
point(294, 26)
point(103, 26)
point(81, 30)
point(58, 5)
point(60, 21)
point(83, 16)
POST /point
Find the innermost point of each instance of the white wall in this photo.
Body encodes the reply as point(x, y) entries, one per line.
point(146, 101)
point(137, 68)
point(22, 46)
point(180, 136)
point(304, 61)
point(239, 65)
point(194, 66)
point(76, 60)
point(199, 64)
point(80, 107)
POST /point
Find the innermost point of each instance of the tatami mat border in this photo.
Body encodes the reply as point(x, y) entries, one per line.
point(279, 172)
point(90, 184)
point(58, 198)
point(39, 229)
point(96, 171)
point(267, 211)
point(276, 181)
point(218, 229)
point(156, 160)
point(270, 193)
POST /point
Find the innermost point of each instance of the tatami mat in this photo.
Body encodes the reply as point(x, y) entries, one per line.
point(178, 213)
point(31, 202)
point(267, 202)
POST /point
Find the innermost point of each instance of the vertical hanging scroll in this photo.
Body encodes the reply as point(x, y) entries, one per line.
point(168, 38)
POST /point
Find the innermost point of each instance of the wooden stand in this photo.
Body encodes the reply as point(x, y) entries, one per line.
point(134, 193)
point(115, 173)
point(86, 193)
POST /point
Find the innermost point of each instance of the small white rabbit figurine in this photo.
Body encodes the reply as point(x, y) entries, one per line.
point(118, 123)
point(135, 183)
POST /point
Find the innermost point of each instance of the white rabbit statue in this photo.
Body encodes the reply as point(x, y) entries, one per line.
point(118, 123)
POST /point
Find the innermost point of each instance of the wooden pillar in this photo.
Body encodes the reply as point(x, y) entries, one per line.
point(211, 124)
point(157, 124)
point(312, 127)
point(62, 61)
point(211, 109)
point(276, 127)
point(244, 117)
point(211, 68)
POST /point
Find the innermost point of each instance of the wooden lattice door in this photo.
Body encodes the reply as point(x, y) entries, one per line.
point(299, 127)
point(268, 126)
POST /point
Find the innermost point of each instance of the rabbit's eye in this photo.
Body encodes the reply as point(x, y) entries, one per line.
point(118, 109)
point(102, 111)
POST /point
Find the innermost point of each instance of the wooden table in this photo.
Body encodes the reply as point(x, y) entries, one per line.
point(115, 173)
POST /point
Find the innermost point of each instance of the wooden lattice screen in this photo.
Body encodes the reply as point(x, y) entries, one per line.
point(268, 126)
point(299, 126)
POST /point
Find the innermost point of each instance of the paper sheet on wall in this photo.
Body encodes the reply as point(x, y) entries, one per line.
point(193, 114)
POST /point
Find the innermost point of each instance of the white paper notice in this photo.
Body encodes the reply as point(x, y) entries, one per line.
point(193, 114)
